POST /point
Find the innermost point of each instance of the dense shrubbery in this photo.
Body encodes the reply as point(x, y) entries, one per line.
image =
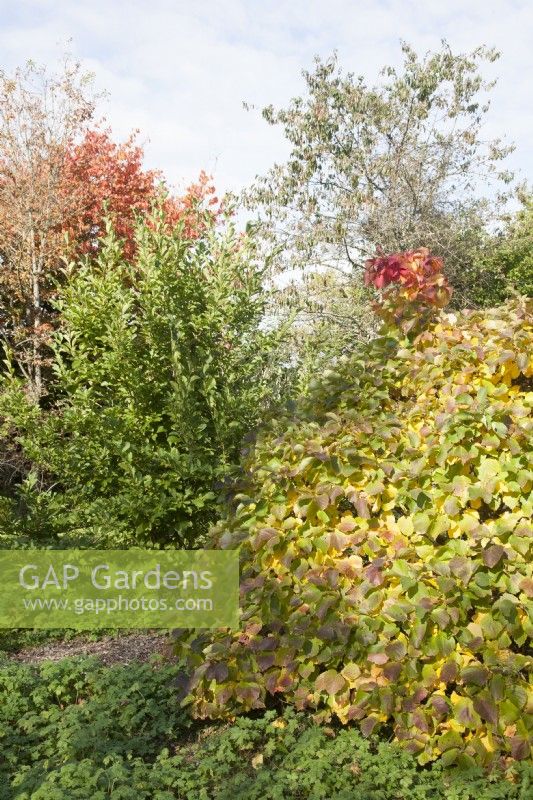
point(384, 527)
point(161, 367)
point(385, 536)
point(507, 258)
point(75, 730)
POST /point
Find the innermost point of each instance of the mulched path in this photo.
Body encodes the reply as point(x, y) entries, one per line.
point(139, 647)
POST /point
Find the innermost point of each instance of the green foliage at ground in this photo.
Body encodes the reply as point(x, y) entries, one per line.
point(75, 730)
point(67, 727)
point(160, 367)
point(385, 537)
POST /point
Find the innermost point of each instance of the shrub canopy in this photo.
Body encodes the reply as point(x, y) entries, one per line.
point(385, 539)
point(161, 366)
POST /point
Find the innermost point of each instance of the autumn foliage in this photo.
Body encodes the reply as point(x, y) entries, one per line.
point(106, 178)
point(385, 541)
point(53, 207)
point(411, 283)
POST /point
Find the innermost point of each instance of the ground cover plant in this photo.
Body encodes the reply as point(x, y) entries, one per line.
point(385, 537)
point(75, 729)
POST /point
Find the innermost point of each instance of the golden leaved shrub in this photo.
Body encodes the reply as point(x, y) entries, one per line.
point(385, 541)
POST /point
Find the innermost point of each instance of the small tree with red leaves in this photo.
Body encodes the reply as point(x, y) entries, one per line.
point(108, 179)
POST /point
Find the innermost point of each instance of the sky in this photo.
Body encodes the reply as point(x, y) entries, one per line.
point(181, 71)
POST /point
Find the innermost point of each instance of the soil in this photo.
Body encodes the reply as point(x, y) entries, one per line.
point(122, 649)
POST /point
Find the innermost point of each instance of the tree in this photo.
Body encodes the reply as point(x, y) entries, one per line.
point(58, 180)
point(109, 179)
point(40, 116)
point(396, 166)
point(321, 324)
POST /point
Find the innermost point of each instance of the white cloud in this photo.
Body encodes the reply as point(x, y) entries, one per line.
point(179, 71)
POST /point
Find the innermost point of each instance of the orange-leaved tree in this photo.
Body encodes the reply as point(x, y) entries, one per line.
point(40, 115)
point(109, 179)
point(58, 180)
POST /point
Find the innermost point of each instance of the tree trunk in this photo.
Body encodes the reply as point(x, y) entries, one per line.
point(35, 369)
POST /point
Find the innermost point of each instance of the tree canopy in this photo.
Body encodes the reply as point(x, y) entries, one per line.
point(396, 166)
